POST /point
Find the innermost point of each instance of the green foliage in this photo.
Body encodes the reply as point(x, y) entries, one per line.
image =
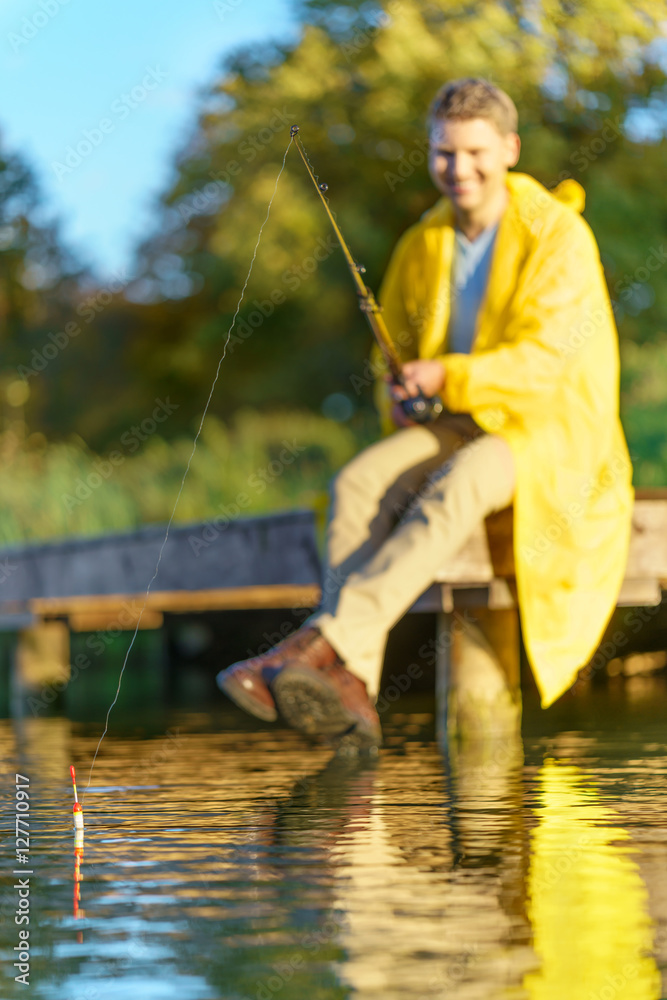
point(63, 335)
point(586, 76)
point(359, 83)
point(256, 464)
point(38, 283)
point(644, 368)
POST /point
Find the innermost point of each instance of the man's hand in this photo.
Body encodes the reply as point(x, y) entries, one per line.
point(429, 376)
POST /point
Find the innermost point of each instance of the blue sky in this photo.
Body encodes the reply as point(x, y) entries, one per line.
point(66, 66)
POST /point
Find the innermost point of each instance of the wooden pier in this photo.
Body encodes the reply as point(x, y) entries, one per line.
point(97, 584)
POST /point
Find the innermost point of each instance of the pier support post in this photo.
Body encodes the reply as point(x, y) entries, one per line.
point(41, 661)
point(478, 691)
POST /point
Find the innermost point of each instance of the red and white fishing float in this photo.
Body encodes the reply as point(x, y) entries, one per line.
point(77, 811)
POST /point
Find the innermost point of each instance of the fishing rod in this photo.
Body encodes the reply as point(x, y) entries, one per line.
point(419, 408)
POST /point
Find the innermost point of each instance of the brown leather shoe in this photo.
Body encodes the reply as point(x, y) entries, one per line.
point(317, 694)
point(246, 682)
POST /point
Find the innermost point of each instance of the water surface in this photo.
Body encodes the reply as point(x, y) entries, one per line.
point(224, 860)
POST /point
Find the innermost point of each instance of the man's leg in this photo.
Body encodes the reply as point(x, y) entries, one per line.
point(371, 494)
point(367, 499)
point(477, 480)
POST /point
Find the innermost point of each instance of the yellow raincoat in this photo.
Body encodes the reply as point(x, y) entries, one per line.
point(543, 374)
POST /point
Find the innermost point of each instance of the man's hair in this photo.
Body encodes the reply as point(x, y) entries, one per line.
point(475, 98)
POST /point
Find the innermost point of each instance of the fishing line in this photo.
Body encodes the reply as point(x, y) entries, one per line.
point(187, 469)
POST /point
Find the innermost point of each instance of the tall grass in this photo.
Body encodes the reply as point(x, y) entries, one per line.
point(257, 464)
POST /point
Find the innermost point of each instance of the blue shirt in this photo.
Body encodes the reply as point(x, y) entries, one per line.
point(470, 275)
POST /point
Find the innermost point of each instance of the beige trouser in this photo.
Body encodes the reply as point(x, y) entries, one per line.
point(399, 509)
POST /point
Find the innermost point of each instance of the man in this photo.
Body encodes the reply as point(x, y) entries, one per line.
point(498, 301)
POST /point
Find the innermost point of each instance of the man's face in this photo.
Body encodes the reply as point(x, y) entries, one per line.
point(468, 160)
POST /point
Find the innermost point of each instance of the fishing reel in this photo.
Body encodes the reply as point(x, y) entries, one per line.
point(422, 409)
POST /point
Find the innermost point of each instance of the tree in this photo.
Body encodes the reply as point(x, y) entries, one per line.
point(586, 77)
point(39, 284)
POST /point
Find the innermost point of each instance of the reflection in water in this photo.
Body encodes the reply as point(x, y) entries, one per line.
point(77, 911)
point(588, 904)
point(432, 879)
point(241, 864)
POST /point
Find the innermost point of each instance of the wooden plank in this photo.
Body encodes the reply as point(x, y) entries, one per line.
point(651, 493)
point(220, 599)
point(498, 594)
point(438, 597)
point(639, 593)
point(495, 594)
point(488, 553)
point(648, 544)
point(112, 621)
point(480, 575)
point(270, 550)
